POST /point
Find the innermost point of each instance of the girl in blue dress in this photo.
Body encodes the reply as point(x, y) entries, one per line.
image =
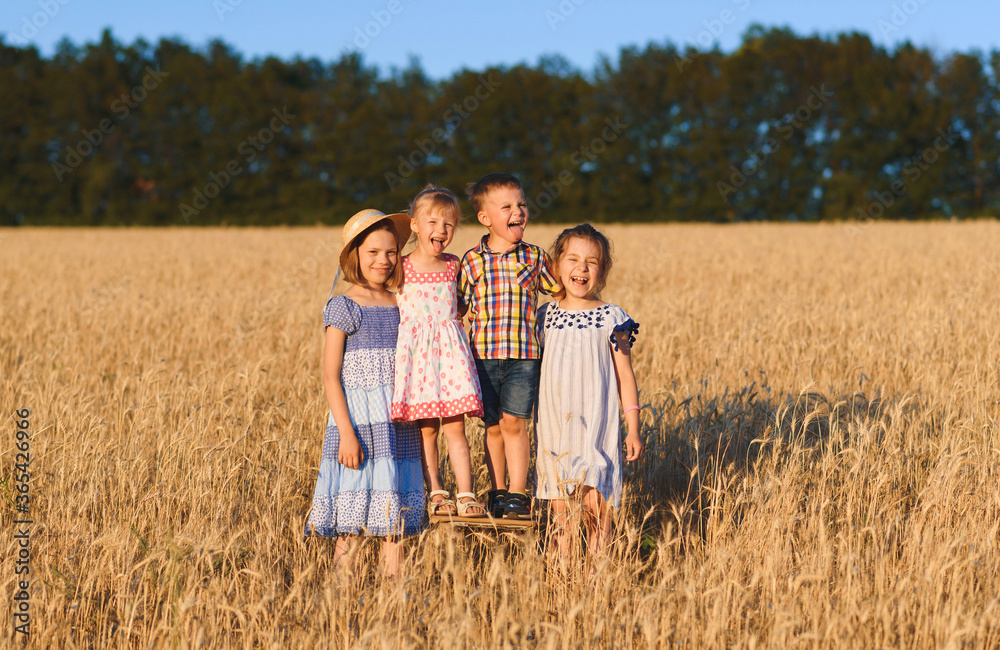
point(370, 481)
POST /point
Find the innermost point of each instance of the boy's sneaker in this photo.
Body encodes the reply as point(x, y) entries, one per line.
point(496, 500)
point(518, 506)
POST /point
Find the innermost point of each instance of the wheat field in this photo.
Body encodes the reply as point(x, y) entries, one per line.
point(820, 420)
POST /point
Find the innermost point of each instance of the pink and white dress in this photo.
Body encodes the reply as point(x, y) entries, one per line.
point(435, 374)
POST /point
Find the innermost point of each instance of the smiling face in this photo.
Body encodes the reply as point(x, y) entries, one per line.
point(377, 257)
point(505, 213)
point(434, 227)
point(579, 269)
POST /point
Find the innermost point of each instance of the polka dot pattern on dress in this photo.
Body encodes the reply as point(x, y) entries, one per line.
point(435, 373)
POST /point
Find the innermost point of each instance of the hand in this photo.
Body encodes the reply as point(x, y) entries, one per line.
point(633, 447)
point(351, 455)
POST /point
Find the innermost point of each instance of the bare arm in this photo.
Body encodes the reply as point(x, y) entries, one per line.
point(465, 286)
point(351, 454)
point(547, 281)
point(628, 391)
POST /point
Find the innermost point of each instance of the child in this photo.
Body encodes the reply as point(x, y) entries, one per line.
point(499, 283)
point(369, 476)
point(435, 377)
point(586, 367)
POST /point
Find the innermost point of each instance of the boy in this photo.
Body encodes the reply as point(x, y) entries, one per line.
point(499, 282)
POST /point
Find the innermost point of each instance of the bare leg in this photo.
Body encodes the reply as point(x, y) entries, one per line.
point(344, 553)
point(389, 556)
point(429, 456)
point(597, 519)
point(429, 452)
point(514, 432)
point(458, 450)
point(496, 458)
point(562, 526)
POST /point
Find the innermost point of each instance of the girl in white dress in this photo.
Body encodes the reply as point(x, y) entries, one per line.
point(586, 371)
point(436, 383)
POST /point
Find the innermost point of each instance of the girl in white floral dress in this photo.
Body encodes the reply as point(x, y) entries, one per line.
point(436, 381)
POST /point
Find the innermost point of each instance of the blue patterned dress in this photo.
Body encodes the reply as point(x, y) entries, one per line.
point(385, 495)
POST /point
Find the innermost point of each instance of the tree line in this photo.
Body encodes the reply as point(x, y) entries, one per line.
point(785, 127)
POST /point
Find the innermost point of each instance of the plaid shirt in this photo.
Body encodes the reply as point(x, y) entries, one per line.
point(501, 290)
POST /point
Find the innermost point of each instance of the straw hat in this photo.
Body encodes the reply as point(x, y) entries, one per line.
point(357, 225)
point(367, 217)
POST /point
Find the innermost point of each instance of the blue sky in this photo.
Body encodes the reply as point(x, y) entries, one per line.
point(448, 35)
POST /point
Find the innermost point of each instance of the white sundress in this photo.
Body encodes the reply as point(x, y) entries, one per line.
point(435, 374)
point(578, 437)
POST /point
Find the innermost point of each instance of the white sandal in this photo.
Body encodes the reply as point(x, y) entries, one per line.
point(434, 508)
point(464, 506)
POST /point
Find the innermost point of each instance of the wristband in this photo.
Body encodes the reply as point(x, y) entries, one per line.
point(634, 407)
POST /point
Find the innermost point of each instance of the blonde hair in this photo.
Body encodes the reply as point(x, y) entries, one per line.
point(598, 239)
point(437, 197)
point(352, 264)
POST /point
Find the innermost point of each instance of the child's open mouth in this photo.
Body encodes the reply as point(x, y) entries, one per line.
point(580, 282)
point(516, 227)
point(437, 245)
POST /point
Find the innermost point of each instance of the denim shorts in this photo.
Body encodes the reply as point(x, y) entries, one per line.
point(509, 386)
